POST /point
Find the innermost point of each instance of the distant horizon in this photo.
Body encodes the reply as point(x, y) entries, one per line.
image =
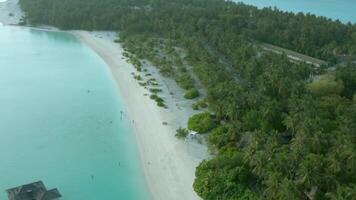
point(340, 10)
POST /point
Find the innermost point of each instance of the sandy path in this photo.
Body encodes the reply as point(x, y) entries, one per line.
point(168, 163)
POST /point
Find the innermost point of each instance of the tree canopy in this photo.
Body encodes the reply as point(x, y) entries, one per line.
point(281, 130)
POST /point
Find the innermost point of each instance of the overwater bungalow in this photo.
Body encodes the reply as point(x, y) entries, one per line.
point(33, 191)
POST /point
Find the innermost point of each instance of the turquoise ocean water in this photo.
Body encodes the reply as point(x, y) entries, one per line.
point(60, 120)
point(344, 10)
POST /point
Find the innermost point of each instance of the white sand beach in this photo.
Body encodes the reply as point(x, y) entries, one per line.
point(168, 163)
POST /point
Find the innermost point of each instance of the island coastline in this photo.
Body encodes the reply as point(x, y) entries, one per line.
point(168, 163)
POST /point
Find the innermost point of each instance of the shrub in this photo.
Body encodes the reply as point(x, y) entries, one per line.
point(219, 137)
point(201, 123)
point(126, 54)
point(185, 81)
point(159, 100)
point(156, 98)
point(155, 90)
point(226, 176)
point(199, 104)
point(161, 104)
point(181, 133)
point(138, 77)
point(142, 83)
point(191, 94)
point(195, 106)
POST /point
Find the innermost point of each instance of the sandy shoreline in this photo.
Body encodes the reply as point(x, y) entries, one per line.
point(168, 163)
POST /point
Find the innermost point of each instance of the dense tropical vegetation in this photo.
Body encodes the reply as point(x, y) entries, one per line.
point(278, 129)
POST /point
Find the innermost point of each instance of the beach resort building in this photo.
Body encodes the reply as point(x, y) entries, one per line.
point(33, 191)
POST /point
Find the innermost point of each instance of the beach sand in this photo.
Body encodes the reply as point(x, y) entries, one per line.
point(168, 163)
point(8, 7)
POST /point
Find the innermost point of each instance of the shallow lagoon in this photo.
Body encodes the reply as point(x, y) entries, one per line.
point(60, 120)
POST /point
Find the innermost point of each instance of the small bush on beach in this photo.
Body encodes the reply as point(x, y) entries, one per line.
point(152, 81)
point(191, 94)
point(181, 133)
point(142, 84)
point(201, 123)
point(155, 90)
point(159, 100)
point(156, 98)
point(138, 77)
point(161, 104)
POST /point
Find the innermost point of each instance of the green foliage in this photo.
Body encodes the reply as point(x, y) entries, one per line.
point(200, 104)
point(195, 107)
point(191, 93)
point(181, 133)
point(353, 36)
point(155, 90)
point(161, 104)
point(348, 76)
point(225, 177)
point(185, 81)
point(219, 137)
point(156, 98)
point(201, 123)
point(138, 77)
point(159, 100)
point(326, 85)
point(281, 137)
